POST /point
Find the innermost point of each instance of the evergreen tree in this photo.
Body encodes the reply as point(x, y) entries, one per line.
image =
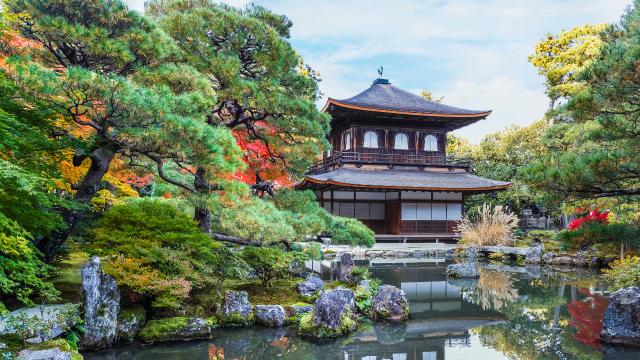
point(82, 59)
point(265, 93)
point(595, 150)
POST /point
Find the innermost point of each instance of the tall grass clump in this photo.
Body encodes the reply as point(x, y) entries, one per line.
point(493, 225)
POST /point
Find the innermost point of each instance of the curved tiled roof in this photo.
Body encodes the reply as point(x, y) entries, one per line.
point(405, 179)
point(383, 97)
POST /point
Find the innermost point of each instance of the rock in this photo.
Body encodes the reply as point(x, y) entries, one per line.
point(534, 255)
point(464, 270)
point(471, 253)
point(332, 315)
point(537, 243)
point(236, 309)
point(561, 260)
point(60, 317)
point(620, 323)
point(176, 328)
point(50, 350)
point(390, 303)
point(347, 263)
point(325, 240)
point(347, 260)
point(101, 306)
point(302, 309)
point(270, 315)
point(365, 284)
point(311, 285)
point(548, 257)
point(130, 322)
point(582, 258)
point(48, 354)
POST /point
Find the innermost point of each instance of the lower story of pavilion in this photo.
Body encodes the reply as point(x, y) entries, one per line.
point(399, 205)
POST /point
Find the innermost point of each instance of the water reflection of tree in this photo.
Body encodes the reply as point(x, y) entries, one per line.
point(494, 291)
point(537, 325)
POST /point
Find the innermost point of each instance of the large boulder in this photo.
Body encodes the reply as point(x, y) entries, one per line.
point(332, 315)
point(58, 349)
point(176, 328)
point(621, 321)
point(347, 263)
point(464, 270)
point(48, 354)
point(390, 303)
point(236, 310)
point(59, 317)
point(311, 286)
point(270, 315)
point(101, 306)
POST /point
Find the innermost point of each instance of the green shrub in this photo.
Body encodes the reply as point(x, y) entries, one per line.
point(23, 275)
point(543, 234)
point(350, 231)
point(158, 253)
point(598, 233)
point(624, 273)
point(313, 252)
point(269, 263)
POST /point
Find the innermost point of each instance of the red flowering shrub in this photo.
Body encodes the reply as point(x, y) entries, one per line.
point(591, 217)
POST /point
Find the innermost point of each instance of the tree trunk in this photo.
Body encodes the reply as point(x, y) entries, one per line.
point(202, 214)
point(100, 161)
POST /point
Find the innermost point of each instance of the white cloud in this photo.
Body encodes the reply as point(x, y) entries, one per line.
point(512, 104)
point(472, 52)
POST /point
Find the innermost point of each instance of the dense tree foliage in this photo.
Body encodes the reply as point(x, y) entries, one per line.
point(594, 149)
point(82, 60)
point(560, 59)
point(264, 92)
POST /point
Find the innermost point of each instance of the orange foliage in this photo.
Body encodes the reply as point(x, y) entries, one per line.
point(257, 156)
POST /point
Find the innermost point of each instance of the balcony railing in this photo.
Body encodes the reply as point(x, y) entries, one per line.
point(389, 158)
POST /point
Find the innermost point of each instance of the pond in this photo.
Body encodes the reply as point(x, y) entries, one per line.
point(511, 312)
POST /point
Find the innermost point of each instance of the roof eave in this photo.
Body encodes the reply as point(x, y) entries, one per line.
point(331, 101)
point(392, 187)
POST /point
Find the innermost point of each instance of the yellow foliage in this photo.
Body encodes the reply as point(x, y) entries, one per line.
point(561, 57)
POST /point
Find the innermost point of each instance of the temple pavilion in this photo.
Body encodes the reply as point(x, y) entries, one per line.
point(388, 165)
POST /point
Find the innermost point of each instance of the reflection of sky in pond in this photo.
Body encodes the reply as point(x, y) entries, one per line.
point(510, 313)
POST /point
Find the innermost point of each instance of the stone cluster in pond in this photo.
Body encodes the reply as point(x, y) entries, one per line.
point(332, 315)
point(535, 254)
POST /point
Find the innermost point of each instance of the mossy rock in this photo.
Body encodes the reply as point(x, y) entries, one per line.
point(235, 320)
point(61, 344)
point(175, 328)
point(130, 321)
point(307, 327)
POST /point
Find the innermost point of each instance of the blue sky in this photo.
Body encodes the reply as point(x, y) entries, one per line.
point(474, 53)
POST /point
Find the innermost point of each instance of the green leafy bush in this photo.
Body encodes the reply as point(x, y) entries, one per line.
point(351, 232)
point(23, 275)
point(543, 234)
point(159, 253)
point(598, 233)
point(624, 273)
point(269, 263)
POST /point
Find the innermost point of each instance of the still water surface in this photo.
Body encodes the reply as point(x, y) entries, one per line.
point(509, 313)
